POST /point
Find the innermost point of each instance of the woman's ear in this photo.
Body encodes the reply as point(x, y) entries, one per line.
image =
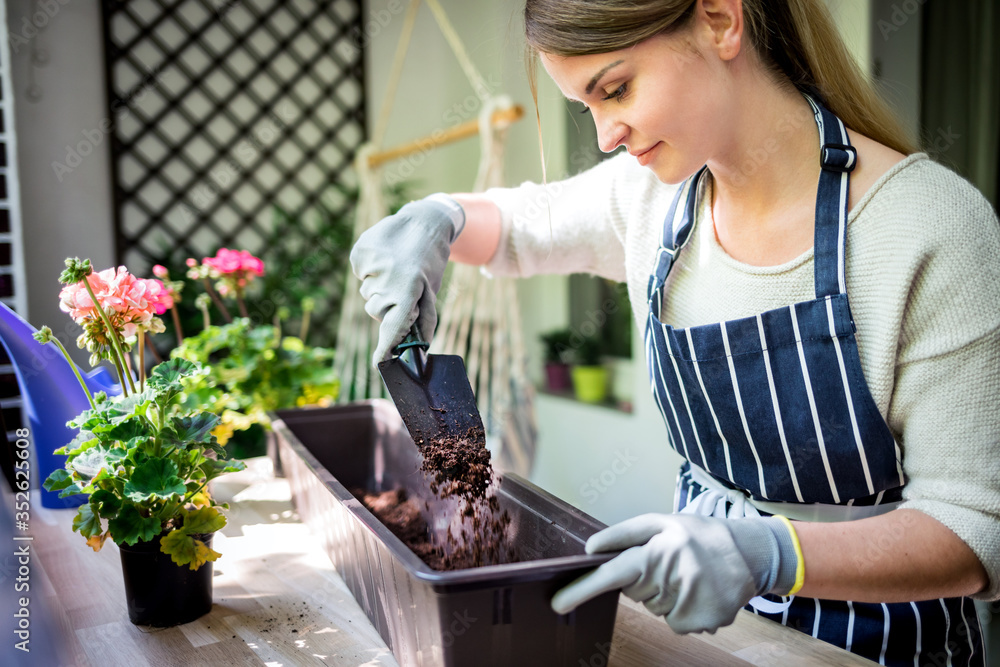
point(720, 22)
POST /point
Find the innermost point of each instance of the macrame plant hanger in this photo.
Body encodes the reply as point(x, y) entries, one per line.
point(479, 317)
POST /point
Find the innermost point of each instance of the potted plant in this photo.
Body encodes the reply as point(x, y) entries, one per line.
point(143, 460)
point(557, 351)
point(590, 377)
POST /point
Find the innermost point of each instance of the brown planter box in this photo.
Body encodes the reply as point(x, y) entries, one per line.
point(493, 615)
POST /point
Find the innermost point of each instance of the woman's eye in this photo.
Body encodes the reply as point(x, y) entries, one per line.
point(585, 109)
point(618, 94)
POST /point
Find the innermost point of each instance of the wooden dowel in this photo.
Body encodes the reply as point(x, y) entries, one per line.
point(442, 137)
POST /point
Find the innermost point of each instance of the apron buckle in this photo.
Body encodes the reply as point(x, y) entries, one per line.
point(838, 157)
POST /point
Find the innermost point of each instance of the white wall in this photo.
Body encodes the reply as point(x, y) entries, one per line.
point(71, 217)
point(853, 18)
point(895, 45)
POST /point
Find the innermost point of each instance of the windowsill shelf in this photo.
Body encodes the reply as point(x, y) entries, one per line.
point(609, 404)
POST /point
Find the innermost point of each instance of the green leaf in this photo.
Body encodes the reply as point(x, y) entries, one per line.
point(105, 503)
point(137, 442)
point(130, 527)
point(84, 446)
point(136, 457)
point(203, 520)
point(87, 419)
point(185, 550)
point(133, 405)
point(231, 465)
point(86, 522)
point(194, 429)
point(192, 457)
point(127, 429)
point(215, 467)
point(90, 462)
point(169, 374)
point(83, 440)
point(154, 480)
point(72, 490)
point(59, 479)
point(104, 474)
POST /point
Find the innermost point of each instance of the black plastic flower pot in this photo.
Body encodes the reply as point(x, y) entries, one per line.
point(161, 593)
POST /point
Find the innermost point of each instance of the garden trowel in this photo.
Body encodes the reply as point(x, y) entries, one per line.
point(432, 393)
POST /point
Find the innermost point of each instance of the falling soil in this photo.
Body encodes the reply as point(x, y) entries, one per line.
point(456, 466)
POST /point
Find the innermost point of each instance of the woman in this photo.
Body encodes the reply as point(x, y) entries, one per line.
point(871, 423)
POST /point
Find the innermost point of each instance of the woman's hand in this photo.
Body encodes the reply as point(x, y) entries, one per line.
point(401, 262)
point(696, 571)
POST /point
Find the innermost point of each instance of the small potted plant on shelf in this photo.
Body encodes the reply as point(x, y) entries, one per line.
point(142, 459)
point(590, 377)
point(557, 353)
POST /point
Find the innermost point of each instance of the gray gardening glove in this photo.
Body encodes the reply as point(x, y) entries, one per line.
point(400, 262)
point(696, 571)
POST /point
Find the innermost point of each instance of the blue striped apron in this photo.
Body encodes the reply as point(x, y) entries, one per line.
point(772, 412)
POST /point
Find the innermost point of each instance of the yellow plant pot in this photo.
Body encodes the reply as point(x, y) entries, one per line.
point(590, 383)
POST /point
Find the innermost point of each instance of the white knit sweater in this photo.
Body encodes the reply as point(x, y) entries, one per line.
point(923, 275)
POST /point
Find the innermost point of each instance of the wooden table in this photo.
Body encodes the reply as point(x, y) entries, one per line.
point(279, 601)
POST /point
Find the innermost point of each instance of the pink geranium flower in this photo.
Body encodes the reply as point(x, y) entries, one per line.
point(75, 300)
point(228, 261)
point(158, 295)
point(122, 292)
point(123, 297)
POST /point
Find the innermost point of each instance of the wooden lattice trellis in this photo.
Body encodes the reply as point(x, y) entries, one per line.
point(233, 121)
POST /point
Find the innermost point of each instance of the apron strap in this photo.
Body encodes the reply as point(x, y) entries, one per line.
point(677, 228)
point(837, 160)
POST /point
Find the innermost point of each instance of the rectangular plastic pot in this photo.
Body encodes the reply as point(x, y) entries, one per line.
point(494, 615)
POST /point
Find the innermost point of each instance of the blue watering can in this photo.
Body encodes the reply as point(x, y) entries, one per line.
point(51, 397)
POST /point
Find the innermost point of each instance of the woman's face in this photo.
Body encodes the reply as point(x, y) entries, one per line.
point(662, 99)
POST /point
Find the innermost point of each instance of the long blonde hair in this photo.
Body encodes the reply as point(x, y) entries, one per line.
point(796, 41)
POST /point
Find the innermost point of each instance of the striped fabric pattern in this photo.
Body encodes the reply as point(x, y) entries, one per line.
point(776, 405)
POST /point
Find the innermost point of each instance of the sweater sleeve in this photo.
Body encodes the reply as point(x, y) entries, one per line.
point(952, 446)
point(947, 385)
point(577, 225)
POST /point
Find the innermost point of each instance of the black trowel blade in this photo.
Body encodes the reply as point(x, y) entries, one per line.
point(433, 396)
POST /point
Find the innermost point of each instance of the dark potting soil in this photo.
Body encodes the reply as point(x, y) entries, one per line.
point(402, 516)
point(456, 466)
